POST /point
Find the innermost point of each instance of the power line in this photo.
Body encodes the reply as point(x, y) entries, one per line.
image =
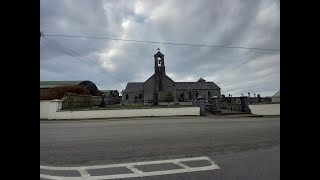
point(65, 51)
point(157, 42)
point(62, 49)
point(94, 63)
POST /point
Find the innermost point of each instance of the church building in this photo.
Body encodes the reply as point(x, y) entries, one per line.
point(156, 88)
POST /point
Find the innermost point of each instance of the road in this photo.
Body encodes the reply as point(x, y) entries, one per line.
point(243, 148)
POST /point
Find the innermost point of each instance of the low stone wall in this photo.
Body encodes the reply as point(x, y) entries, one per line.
point(52, 110)
point(265, 109)
point(231, 106)
point(190, 103)
point(166, 103)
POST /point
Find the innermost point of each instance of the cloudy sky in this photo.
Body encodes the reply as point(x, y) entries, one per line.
point(111, 64)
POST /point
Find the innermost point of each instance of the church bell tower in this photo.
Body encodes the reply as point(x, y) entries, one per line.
point(159, 70)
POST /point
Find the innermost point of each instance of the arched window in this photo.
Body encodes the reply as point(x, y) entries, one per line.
point(127, 96)
point(159, 61)
point(189, 95)
point(209, 94)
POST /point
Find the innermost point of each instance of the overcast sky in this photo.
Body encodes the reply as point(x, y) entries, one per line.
point(111, 64)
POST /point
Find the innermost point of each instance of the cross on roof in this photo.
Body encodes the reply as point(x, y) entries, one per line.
point(158, 49)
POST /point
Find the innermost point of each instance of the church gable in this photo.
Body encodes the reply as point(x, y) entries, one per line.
point(169, 78)
point(168, 86)
point(157, 86)
point(134, 86)
point(148, 87)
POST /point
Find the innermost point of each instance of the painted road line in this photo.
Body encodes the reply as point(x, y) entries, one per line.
point(136, 172)
point(83, 172)
point(129, 164)
point(181, 165)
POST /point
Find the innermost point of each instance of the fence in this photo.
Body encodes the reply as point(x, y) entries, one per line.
point(75, 101)
point(160, 102)
point(123, 104)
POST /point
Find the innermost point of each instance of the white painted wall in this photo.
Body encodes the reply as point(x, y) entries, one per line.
point(50, 110)
point(265, 109)
point(195, 111)
point(44, 109)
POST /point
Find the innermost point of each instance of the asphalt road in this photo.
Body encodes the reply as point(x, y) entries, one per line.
point(243, 148)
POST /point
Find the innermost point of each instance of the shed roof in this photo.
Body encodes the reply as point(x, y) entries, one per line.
point(51, 84)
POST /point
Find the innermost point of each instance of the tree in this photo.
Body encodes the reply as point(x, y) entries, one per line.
point(259, 98)
point(169, 96)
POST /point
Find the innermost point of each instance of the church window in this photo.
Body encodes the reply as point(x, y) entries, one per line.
point(209, 94)
point(140, 96)
point(159, 61)
point(189, 94)
point(127, 96)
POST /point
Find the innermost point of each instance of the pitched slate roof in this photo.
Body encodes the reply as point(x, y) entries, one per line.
point(107, 91)
point(201, 80)
point(158, 53)
point(196, 85)
point(51, 84)
point(134, 86)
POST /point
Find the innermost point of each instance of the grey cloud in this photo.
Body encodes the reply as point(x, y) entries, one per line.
point(249, 23)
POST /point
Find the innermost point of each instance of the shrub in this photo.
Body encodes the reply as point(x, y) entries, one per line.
point(59, 92)
point(169, 97)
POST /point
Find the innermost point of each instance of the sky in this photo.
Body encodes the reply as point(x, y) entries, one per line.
point(111, 64)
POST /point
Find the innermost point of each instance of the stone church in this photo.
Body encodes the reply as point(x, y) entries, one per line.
point(156, 88)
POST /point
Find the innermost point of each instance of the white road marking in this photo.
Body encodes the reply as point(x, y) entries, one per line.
point(136, 172)
point(181, 165)
point(83, 172)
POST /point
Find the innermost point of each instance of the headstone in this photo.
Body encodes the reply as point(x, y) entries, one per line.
point(202, 105)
